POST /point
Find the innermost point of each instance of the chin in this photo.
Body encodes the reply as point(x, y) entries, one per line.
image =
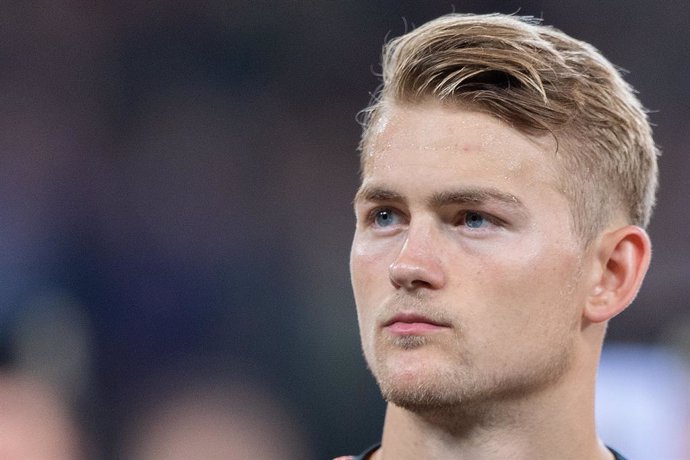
point(417, 385)
point(418, 400)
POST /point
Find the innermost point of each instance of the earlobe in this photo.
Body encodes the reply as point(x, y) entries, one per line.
point(623, 257)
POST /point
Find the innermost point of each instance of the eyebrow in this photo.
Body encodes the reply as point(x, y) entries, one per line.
point(475, 195)
point(469, 195)
point(366, 193)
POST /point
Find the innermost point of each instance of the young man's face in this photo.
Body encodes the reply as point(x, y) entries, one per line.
point(465, 269)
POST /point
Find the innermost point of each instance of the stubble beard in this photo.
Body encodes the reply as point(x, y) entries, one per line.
point(463, 392)
point(432, 391)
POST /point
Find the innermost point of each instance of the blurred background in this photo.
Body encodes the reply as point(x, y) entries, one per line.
point(175, 219)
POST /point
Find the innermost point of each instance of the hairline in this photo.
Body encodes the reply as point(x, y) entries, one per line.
point(570, 91)
point(563, 140)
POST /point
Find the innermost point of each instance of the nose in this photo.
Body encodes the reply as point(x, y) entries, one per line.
point(418, 266)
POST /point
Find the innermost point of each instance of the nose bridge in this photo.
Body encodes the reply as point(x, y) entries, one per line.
point(418, 264)
point(420, 240)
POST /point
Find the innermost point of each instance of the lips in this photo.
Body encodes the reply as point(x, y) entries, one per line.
point(413, 324)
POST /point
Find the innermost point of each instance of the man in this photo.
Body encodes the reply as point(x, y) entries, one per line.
point(508, 173)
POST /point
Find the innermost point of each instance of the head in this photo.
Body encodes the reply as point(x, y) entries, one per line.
point(507, 174)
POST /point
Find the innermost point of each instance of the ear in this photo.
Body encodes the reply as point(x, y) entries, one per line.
point(622, 257)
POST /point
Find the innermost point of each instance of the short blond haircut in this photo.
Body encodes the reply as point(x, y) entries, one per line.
point(540, 81)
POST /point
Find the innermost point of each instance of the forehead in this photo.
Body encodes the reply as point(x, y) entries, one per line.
point(447, 142)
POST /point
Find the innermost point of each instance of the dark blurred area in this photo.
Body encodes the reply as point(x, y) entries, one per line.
point(164, 167)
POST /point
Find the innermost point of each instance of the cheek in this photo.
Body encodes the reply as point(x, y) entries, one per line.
point(369, 262)
point(369, 276)
point(361, 264)
point(364, 268)
point(524, 294)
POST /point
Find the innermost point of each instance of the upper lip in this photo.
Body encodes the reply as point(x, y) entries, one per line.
point(412, 318)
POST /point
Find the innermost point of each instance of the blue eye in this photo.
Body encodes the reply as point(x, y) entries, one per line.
point(474, 220)
point(385, 217)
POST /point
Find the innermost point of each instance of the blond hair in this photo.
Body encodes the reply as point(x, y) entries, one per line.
point(540, 81)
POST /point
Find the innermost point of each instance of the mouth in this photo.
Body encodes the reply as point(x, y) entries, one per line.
point(413, 324)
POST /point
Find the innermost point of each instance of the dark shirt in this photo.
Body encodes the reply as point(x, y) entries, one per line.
point(364, 455)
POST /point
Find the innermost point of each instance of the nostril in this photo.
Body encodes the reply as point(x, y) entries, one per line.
point(421, 284)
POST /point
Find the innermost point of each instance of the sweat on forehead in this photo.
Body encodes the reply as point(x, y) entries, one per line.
point(387, 131)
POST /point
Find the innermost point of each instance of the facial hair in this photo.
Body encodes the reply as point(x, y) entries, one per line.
point(460, 387)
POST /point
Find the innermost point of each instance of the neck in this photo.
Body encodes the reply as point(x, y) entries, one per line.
point(557, 422)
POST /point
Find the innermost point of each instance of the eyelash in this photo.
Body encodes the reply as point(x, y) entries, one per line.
point(374, 213)
point(492, 220)
point(459, 219)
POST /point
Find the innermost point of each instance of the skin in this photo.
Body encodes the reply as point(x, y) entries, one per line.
point(460, 222)
point(35, 422)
